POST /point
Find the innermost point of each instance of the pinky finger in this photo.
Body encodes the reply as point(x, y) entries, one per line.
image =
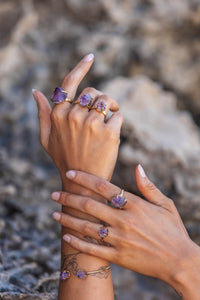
point(105, 252)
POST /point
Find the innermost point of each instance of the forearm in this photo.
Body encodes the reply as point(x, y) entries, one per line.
point(92, 286)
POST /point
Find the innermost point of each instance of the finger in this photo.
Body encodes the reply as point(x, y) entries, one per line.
point(81, 108)
point(71, 83)
point(73, 79)
point(115, 122)
point(85, 227)
point(44, 111)
point(107, 253)
point(99, 185)
point(149, 190)
point(102, 105)
point(87, 205)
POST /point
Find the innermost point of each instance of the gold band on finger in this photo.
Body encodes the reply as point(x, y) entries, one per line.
point(100, 107)
point(84, 101)
point(60, 96)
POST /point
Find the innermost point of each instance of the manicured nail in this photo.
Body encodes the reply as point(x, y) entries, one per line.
point(67, 238)
point(89, 57)
point(56, 216)
point(33, 90)
point(70, 174)
point(141, 170)
point(55, 196)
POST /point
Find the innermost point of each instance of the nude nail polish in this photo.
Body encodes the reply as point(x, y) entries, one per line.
point(56, 216)
point(89, 57)
point(55, 196)
point(141, 170)
point(67, 238)
point(70, 174)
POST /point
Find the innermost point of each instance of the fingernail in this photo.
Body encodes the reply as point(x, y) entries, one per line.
point(33, 90)
point(67, 238)
point(70, 174)
point(56, 216)
point(89, 57)
point(141, 170)
point(55, 196)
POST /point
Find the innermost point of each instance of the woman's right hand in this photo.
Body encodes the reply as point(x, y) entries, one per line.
point(145, 236)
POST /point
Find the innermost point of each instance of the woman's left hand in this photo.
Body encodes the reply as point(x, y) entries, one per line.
point(145, 236)
point(76, 136)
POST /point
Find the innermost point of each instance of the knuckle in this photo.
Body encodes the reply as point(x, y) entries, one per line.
point(90, 90)
point(87, 227)
point(112, 134)
point(91, 124)
point(92, 250)
point(86, 205)
point(101, 186)
point(56, 115)
point(170, 203)
point(126, 224)
point(73, 117)
point(149, 186)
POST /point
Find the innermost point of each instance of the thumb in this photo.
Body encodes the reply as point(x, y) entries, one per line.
point(149, 190)
point(44, 111)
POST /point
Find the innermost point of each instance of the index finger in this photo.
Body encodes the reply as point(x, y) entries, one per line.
point(94, 183)
point(72, 80)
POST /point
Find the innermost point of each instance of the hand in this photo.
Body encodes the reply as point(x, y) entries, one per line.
point(76, 137)
point(145, 236)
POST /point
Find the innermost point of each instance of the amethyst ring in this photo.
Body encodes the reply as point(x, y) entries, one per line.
point(103, 232)
point(119, 201)
point(100, 107)
point(60, 96)
point(84, 101)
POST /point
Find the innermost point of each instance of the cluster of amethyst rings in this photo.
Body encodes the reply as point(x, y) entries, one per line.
point(60, 96)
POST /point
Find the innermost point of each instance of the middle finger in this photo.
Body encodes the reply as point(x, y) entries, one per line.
point(87, 205)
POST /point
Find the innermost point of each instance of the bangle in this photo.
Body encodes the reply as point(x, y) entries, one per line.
point(82, 274)
point(70, 266)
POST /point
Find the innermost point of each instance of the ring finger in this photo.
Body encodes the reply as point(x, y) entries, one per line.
point(101, 105)
point(83, 102)
point(86, 227)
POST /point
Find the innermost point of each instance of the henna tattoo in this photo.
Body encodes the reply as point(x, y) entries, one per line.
point(70, 262)
point(70, 266)
point(93, 241)
point(89, 239)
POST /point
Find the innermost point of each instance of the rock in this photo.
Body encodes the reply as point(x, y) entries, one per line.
point(160, 137)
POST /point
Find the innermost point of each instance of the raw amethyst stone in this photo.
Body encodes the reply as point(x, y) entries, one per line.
point(81, 274)
point(103, 232)
point(58, 95)
point(85, 100)
point(100, 106)
point(64, 275)
point(118, 201)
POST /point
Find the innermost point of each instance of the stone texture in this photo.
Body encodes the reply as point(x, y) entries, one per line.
point(154, 38)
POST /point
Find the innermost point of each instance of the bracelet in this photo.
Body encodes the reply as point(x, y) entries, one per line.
point(82, 274)
point(70, 266)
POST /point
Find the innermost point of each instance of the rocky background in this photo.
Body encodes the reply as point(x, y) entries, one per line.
point(147, 56)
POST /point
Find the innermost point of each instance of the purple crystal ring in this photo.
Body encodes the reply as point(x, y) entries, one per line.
point(119, 201)
point(100, 107)
point(60, 96)
point(84, 101)
point(103, 232)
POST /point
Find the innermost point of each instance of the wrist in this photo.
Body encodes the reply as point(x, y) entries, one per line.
point(185, 277)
